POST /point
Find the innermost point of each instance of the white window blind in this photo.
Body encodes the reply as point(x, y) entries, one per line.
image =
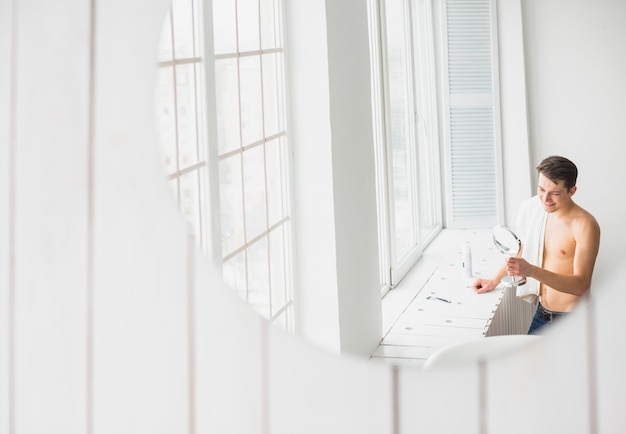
point(472, 131)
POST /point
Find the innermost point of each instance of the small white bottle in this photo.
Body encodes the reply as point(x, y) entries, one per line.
point(467, 259)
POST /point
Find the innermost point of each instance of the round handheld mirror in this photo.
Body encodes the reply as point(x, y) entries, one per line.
point(508, 244)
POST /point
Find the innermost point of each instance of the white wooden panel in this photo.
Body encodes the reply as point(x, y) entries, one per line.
point(415, 321)
point(140, 315)
point(435, 308)
point(313, 392)
point(433, 341)
point(140, 340)
point(5, 128)
point(51, 216)
point(547, 383)
point(438, 330)
point(609, 299)
point(460, 295)
point(400, 351)
point(439, 401)
point(228, 363)
point(399, 361)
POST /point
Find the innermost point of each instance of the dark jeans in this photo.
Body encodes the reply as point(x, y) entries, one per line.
point(542, 318)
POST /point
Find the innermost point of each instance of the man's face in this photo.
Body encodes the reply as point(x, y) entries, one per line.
point(553, 196)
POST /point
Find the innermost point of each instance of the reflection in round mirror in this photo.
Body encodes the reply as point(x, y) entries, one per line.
point(506, 241)
point(508, 244)
point(225, 146)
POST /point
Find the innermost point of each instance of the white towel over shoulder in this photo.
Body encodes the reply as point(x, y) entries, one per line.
point(530, 228)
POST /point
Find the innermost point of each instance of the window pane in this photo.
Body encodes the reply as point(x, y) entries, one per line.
point(177, 93)
point(164, 51)
point(190, 201)
point(258, 277)
point(251, 106)
point(250, 109)
point(429, 216)
point(248, 18)
point(276, 196)
point(270, 31)
point(254, 179)
point(184, 27)
point(187, 119)
point(272, 93)
point(231, 204)
point(400, 115)
point(227, 104)
point(224, 26)
point(425, 96)
point(166, 117)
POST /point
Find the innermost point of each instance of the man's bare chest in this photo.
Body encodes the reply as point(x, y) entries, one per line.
point(559, 242)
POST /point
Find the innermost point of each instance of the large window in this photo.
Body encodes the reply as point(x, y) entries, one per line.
point(411, 176)
point(180, 115)
point(407, 141)
point(229, 131)
point(252, 153)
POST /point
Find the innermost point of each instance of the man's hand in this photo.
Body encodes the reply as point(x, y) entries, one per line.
point(517, 267)
point(483, 285)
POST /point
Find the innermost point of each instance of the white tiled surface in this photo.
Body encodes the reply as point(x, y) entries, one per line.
point(416, 326)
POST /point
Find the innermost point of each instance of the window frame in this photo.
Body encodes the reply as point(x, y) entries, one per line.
point(210, 232)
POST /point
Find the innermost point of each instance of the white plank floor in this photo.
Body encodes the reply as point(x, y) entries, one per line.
point(414, 325)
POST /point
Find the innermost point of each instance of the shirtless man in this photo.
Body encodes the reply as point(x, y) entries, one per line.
point(571, 244)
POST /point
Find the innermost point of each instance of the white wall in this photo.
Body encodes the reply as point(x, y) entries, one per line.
point(338, 291)
point(114, 322)
point(513, 106)
point(5, 134)
point(317, 311)
point(576, 64)
point(354, 176)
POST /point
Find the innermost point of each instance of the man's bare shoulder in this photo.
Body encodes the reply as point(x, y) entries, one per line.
point(585, 223)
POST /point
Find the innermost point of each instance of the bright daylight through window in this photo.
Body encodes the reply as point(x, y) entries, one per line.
point(243, 112)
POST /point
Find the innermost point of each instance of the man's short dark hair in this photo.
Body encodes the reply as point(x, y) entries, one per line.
point(557, 168)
